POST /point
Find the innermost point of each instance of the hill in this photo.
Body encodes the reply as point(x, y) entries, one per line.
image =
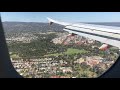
point(21, 27)
point(17, 28)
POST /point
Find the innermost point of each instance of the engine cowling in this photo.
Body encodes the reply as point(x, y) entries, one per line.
point(104, 47)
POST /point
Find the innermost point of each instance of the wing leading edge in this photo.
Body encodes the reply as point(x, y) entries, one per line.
point(105, 34)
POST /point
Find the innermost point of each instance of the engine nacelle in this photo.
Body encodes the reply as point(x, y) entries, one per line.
point(104, 47)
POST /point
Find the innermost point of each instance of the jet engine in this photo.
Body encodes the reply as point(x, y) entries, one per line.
point(104, 47)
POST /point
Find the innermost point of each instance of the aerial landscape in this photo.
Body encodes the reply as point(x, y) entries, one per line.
point(38, 50)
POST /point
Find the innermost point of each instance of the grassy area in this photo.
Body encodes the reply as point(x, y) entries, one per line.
point(70, 51)
point(56, 54)
point(14, 56)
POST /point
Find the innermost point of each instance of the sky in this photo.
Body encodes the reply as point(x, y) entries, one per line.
point(61, 16)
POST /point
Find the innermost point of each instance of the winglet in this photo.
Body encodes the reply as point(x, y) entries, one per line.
point(51, 21)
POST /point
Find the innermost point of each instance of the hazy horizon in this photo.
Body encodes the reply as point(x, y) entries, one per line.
point(61, 16)
point(47, 22)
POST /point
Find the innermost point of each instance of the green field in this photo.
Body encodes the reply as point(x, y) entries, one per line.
point(70, 51)
point(14, 56)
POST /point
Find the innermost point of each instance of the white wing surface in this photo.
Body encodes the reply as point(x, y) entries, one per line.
point(105, 34)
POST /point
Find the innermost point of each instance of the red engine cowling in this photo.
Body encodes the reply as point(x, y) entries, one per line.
point(104, 47)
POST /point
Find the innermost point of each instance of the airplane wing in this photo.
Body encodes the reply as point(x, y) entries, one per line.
point(105, 34)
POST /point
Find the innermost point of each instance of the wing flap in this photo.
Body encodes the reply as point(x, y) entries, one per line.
point(112, 42)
